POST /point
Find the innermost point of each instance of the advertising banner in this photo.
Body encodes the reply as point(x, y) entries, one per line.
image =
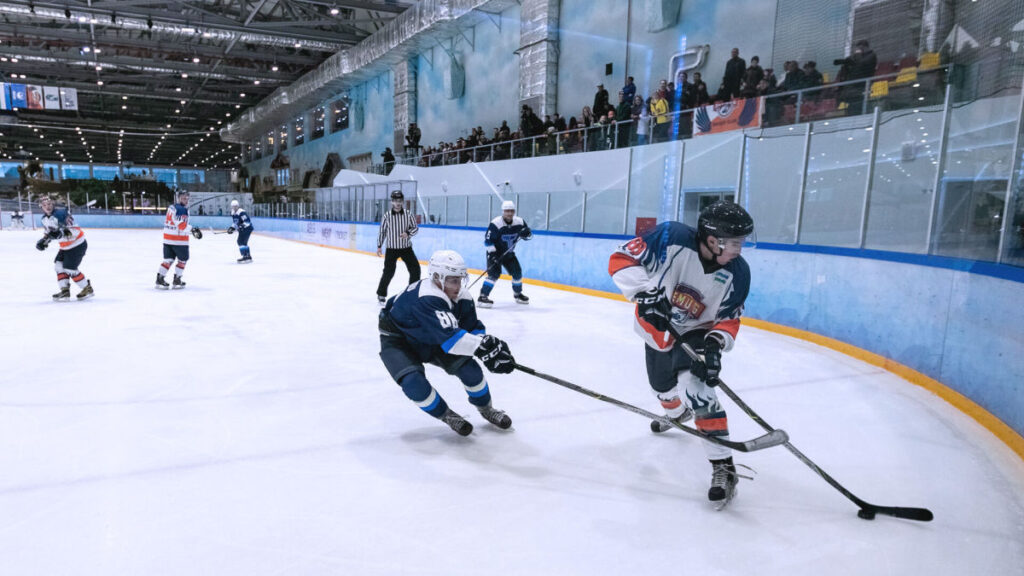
point(51, 97)
point(726, 116)
point(18, 99)
point(69, 99)
point(34, 95)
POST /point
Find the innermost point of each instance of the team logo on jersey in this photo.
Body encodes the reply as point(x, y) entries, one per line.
point(688, 300)
point(636, 246)
point(509, 239)
point(721, 277)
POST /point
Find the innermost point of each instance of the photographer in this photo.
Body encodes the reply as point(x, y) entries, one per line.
point(860, 65)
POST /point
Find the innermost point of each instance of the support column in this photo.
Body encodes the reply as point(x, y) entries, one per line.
point(538, 55)
point(405, 100)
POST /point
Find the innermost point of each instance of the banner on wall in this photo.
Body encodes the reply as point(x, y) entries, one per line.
point(34, 95)
point(726, 116)
point(51, 97)
point(69, 98)
point(18, 96)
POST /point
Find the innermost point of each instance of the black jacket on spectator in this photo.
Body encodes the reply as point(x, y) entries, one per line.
point(601, 105)
point(863, 65)
point(733, 77)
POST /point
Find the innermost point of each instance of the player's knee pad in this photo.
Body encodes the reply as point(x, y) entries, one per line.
point(673, 404)
point(58, 266)
point(416, 386)
point(701, 397)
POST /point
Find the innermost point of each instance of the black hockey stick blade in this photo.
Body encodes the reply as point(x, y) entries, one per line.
point(768, 440)
point(919, 514)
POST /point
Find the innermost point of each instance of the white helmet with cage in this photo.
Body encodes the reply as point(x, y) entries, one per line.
point(446, 264)
point(508, 205)
point(234, 204)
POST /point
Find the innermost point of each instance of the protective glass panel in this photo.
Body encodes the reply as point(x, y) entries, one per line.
point(837, 170)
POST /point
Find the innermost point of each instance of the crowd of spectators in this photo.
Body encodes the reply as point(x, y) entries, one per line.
point(632, 119)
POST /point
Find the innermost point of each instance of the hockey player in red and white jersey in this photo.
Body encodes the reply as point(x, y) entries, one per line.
point(176, 231)
point(689, 287)
point(58, 224)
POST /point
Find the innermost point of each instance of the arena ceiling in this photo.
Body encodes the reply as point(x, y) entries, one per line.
point(157, 79)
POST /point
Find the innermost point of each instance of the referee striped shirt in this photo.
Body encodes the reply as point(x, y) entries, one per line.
point(393, 226)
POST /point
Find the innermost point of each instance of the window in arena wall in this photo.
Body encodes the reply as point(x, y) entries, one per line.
point(339, 115)
point(300, 135)
point(270, 142)
point(283, 177)
point(318, 123)
point(283, 136)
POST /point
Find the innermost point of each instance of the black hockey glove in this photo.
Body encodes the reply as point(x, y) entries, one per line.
point(197, 232)
point(67, 232)
point(526, 233)
point(55, 233)
point(492, 262)
point(43, 243)
point(231, 230)
point(654, 308)
point(707, 371)
point(495, 355)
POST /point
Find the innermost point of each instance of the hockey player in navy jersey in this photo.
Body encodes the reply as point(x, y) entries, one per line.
point(689, 286)
point(434, 321)
point(58, 224)
point(240, 222)
point(500, 239)
point(176, 231)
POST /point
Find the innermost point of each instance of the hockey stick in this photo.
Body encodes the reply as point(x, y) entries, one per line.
point(867, 511)
point(772, 438)
point(497, 262)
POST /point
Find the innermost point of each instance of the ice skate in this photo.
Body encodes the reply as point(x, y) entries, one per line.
point(161, 283)
point(495, 416)
point(657, 426)
point(86, 292)
point(522, 298)
point(381, 300)
point(723, 482)
point(484, 302)
point(457, 423)
point(63, 296)
point(245, 260)
point(178, 283)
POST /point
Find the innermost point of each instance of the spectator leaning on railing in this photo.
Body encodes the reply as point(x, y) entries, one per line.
point(733, 77)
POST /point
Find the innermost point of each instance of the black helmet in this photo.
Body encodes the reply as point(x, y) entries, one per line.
point(725, 220)
point(397, 195)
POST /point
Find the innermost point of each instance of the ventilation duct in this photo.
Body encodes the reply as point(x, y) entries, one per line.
point(415, 30)
point(538, 55)
point(219, 33)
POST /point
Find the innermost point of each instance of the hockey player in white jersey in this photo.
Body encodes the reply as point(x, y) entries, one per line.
point(176, 231)
point(689, 287)
point(58, 224)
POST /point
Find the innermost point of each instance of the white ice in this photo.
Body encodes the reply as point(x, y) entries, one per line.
point(245, 425)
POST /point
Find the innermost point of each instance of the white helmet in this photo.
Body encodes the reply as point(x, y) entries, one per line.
point(508, 205)
point(234, 204)
point(444, 264)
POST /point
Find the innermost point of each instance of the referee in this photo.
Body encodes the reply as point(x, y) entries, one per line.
point(397, 228)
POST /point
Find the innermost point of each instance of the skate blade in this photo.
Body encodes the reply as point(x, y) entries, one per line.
point(159, 287)
point(176, 288)
point(480, 305)
point(62, 299)
point(721, 504)
point(86, 297)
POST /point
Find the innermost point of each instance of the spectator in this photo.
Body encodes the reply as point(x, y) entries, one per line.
point(560, 123)
point(794, 78)
point(860, 65)
point(769, 83)
point(733, 77)
point(572, 139)
point(412, 137)
point(389, 160)
point(700, 91)
point(601, 104)
point(643, 120)
point(587, 117)
point(623, 115)
point(629, 90)
point(684, 100)
point(752, 78)
point(607, 131)
point(659, 110)
point(548, 123)
point(812, 78)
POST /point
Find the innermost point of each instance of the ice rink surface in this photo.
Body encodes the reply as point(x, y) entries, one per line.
point(245, 425)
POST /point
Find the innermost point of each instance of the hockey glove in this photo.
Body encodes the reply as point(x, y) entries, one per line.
point(655, 309)
point(495, 355)
point(492, 262)
point(230, 230)
point(707, 371)
point(55, 233)
point(526, 233)
point(43, 243)
point(67, 232)
point(197, 232)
